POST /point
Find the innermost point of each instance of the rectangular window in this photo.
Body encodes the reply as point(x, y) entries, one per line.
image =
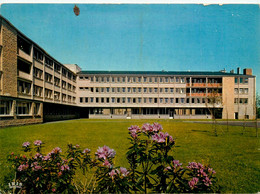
point(113, 100)
point(129, 100)
point(172, 79)
point(102, 100)
point(107, 79)
point(134, 100)
point(5, 107)
point(166, 100)
point(155, 100)
point(145, 79)
point(129, 79)
point(134, 79)
point(172, 100)
point(118, 90)
point(107, 100)
point(81, 99)
point(91, 99)
point(139, 90)
point(177, 100)
point(150, 100)
point(155, 80)
point(139, 79)
point(236, 90)
point(166, 79)
point(177, 80)
point(118, 79)
point(134, 90)
point(150, 90)
point(139, 100)
point(123, 90)
point(97, 100)
point(24, 87)
point(150, 80)
point(161, 90)
point(144, 100)
point(166, 90)
point(246, 90)
point(241, 80)
point(123, 79)
point(161, 79)
point(113, 89)
point(86, 100)
point(182, 100)
point(129, 90)
point(246, 80)
point(118, 100)
point(161, 100)
point(155, 90)
point(123, 100)
point(23, 108)
point(107, 89)
point(171, 90)
point(145, 90)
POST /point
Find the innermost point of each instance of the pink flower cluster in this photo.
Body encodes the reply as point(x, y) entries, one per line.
point(201, 172)
point(37, 155)
point(35, 166)
point(38, 142)
point(56, 150)
point(193, 182)
point(107, 164)
point(64, 167)
point(86, 151)
point(23, 167)
point(148, 128)
point(176, 164)
point(121, 172)
point(26, 144)
point(162, 137)
point(105, 152)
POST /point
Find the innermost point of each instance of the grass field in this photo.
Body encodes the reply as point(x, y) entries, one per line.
point(234, 156)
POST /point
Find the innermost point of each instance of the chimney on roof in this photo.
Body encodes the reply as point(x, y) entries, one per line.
point(247, 71)
point(238, 70)
point(232, 71)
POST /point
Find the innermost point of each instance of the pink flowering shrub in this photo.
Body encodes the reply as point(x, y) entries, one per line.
point(152, 168)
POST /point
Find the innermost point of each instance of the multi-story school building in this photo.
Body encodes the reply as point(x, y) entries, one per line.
point(35, 87)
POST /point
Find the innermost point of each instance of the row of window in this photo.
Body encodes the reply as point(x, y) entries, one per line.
point(241, 100)
point(241, 80)
point(134, 79)
point(22, 108)
point(143, 100)
point(48, 78)
point(241, 91)
point(133, 90)
point(50, 63)
point(49, 95)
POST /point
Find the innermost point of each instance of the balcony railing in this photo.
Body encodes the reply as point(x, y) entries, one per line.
point(196, 94)
point(214, 84)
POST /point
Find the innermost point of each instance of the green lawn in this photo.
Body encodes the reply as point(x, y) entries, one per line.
point(234, 156)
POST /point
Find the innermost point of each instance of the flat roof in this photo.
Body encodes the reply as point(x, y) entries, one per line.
point(204, 73)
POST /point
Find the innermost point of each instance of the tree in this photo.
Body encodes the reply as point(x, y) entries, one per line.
point(213, 102)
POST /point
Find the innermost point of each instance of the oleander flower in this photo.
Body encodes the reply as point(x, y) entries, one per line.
point(105, 152)
point(123, 171)
point(38, 142)
point(107, 163)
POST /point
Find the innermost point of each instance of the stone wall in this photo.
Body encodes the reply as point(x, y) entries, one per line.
point(24, 121)
point(9, 60)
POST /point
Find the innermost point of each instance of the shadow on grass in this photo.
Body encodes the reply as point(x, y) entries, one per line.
point(203, 131)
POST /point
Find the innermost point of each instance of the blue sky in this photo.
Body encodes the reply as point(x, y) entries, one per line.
point(143, 37)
